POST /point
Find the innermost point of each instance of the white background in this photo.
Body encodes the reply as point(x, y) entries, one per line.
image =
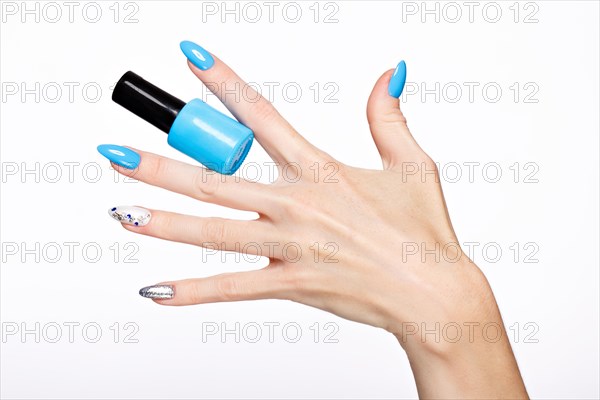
point(556, 129)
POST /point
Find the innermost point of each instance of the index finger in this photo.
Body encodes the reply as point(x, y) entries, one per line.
point(275, 134)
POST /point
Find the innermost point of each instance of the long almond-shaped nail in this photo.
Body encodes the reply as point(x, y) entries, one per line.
point(398, 80)
point(157, 292)
point(130, 215)
point(120, 155)
point(197, 55)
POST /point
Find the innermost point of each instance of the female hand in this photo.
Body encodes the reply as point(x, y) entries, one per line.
point(373, 246)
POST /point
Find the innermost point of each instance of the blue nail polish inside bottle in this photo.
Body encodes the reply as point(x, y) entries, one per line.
point(196, 129)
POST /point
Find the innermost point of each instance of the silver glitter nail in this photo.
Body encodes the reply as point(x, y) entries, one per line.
point(157, 292)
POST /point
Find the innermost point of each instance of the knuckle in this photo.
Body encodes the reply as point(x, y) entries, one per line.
point(195, 294)
point(262, 109)
point(289, 171)
point(296, 282)
point(206, 184)
point(159, 166)
point(325, 158)
point(213, 231)
point(385, 117)
point(294, 278)
point(430, 164)
point(227, 287)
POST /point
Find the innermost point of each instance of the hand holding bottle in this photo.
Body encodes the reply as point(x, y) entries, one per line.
point(361, 223)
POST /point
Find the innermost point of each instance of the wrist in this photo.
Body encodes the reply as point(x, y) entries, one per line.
point(465, 313)
point(461, 350)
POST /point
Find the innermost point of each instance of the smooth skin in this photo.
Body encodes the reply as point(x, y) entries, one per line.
point(370, 275)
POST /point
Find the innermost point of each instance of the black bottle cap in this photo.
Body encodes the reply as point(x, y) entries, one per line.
point(147, 101)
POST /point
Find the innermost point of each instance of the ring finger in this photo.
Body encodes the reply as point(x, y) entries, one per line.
point(248, 237)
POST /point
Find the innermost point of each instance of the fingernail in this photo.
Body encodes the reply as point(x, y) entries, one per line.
point(197, 55)
point(157, 292)
point(130, 215)
point(397, 81)
point(120, 155)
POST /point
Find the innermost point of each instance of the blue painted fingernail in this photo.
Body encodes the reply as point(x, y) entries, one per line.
point(197, 55)
point(120, 155)
point(398, 80)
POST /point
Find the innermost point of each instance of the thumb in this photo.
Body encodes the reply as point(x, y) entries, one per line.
point(387, 123)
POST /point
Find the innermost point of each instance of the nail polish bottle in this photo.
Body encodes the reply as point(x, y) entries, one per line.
point(196, 129)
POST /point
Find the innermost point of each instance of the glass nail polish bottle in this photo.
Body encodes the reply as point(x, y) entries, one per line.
point(196, 129)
